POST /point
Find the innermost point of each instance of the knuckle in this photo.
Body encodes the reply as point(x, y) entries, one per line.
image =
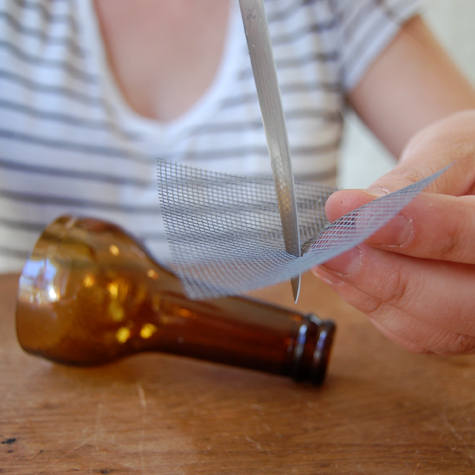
point(413, 175)
point(450, 247)
point(461, 344)
point(393, 290)
point(452, 344)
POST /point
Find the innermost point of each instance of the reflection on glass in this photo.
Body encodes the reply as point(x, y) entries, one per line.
point(122, 334)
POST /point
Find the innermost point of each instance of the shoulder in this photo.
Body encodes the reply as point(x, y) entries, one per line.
point(366, 27)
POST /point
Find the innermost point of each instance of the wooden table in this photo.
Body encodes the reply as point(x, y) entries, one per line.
point(382, 410)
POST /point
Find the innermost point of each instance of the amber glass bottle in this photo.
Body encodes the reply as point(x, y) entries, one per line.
point(90, 294)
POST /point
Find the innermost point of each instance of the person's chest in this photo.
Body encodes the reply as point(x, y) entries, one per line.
point(163, 55)
point(65, 111)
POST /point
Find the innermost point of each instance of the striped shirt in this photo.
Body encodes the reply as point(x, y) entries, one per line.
point(69, 143)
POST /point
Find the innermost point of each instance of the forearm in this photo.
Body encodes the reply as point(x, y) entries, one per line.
point(411, 85)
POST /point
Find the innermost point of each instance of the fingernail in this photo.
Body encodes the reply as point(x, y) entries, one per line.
point(345, 265)
point(378, 191)
point(398, 233)
point(328, 277)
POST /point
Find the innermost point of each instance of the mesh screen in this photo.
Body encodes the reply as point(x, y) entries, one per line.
point(225, 234)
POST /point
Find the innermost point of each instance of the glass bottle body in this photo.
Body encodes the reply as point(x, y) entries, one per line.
point(90, 294)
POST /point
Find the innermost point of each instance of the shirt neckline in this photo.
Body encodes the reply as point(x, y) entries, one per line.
point(164, 132)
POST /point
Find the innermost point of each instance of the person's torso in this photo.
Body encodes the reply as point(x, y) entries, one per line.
point(69, 142)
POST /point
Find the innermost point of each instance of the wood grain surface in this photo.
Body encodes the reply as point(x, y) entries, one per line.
point(381, 410)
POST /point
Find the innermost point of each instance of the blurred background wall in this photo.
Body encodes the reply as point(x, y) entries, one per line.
point(453, 21)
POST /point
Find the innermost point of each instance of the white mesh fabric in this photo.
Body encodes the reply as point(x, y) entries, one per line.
point(225, 234)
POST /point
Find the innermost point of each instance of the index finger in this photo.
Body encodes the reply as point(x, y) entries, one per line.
point(432, 226)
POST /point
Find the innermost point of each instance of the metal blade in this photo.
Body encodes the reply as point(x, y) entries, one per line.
point(265, 76)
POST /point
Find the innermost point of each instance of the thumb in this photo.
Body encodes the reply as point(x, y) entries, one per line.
point(449, 141)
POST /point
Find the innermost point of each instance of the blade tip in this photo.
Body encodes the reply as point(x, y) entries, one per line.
point(295, 283)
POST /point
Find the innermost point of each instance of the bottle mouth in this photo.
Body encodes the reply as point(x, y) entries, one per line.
point(313, 349)
point(323, 347)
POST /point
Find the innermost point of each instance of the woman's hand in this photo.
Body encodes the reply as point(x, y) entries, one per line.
point(415, 278)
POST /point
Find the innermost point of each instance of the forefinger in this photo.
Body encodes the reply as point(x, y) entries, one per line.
point(432, 226)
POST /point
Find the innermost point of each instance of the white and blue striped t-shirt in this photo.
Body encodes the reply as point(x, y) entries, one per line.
point(69, 143)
